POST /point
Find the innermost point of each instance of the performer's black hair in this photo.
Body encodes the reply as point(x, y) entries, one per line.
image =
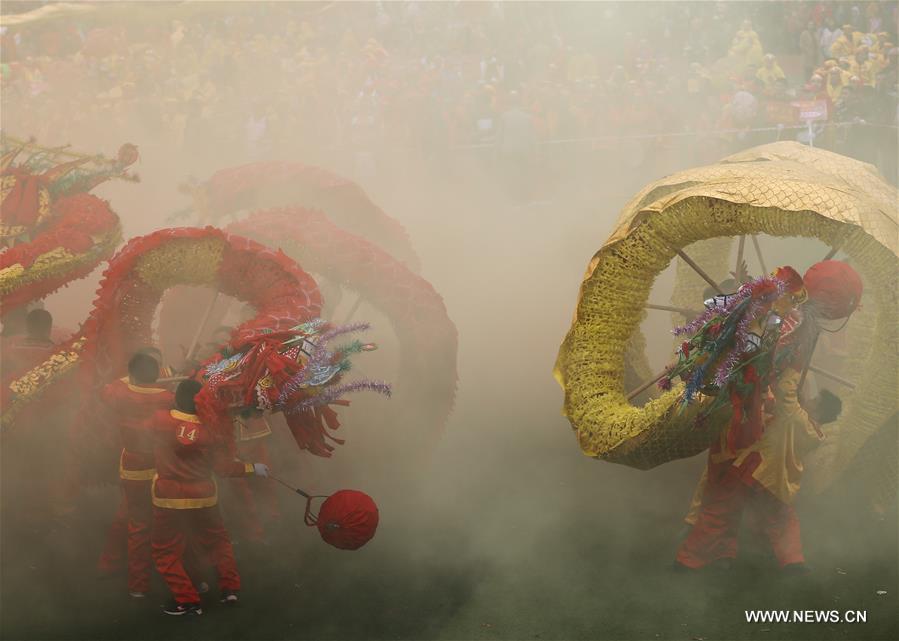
point(143, 369)
point(829, 406)
point(184, 395)
point(38, 323)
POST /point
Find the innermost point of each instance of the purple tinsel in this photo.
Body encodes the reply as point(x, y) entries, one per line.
point(696, 324)
point(337, 330)
point(726, 368)
point(742, 333)
point(333, 392)
point(320, 354)
point(319, 357)
point(742, 294)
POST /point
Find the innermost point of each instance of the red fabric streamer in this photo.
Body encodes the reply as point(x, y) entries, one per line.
point(747, 420)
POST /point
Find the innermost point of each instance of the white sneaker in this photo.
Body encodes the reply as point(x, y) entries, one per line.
point(181, 609)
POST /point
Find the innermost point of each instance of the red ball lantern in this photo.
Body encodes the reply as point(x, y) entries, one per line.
point(834, 287)
point(347, 519)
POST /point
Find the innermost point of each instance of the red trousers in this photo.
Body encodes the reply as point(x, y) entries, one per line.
point(728, 492)
point(113, 556)
point(132, 522)
point(172, 530)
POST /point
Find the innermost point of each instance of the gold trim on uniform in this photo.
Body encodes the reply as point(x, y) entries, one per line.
point(134, 475)
point(142, 390)
point(184, 416)
point(186, 503)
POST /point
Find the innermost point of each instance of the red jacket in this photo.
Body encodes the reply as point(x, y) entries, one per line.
point(187, 454)
point(134, 407)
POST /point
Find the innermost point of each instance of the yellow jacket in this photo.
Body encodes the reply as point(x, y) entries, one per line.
point(833, 90)
point(747, 48)
point(788, 436)
point(842, 47)
point(867, 71)
point(770, 76)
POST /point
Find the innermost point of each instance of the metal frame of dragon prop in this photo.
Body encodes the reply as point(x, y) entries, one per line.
point(782, 189)
point(427, 337)
point(332, 228)
point(52, 230)
point(280, 360)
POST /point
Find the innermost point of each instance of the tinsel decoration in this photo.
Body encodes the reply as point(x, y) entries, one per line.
point(720, 342)
point(324, 366)
point(821, 199)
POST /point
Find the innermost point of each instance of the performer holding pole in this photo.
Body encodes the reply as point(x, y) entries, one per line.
point(185, 501)
point(756, 463)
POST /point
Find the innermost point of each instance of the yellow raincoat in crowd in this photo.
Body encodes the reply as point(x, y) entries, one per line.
point(769, 75)
point(746, 49)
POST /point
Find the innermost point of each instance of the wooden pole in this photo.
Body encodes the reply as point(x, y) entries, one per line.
point(353, 310)
point(808, 363)
point(172, 379)
point(758, 253)
point(738, 270)
point(645, 386)
point(834, 377)
point(196, 340)
point(689, 313)
point(289, 486)
point(696, 268)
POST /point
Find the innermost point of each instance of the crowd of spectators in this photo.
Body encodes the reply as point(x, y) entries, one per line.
point(302, 80)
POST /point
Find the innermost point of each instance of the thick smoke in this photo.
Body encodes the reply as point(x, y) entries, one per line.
point(503, 529)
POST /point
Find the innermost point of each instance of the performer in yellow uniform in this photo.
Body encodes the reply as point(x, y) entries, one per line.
point(756, 463)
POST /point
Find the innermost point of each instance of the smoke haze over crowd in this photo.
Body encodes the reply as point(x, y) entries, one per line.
point(505, 137)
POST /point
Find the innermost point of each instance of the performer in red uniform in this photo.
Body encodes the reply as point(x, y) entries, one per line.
point(185, 500)
point(134, 401)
